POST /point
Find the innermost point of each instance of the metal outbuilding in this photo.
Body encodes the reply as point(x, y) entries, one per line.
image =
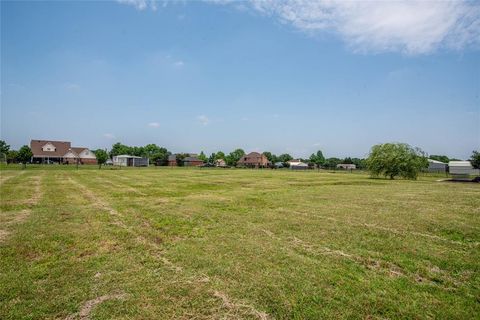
point(462, 169)
point(126, 160)
point(436, 166)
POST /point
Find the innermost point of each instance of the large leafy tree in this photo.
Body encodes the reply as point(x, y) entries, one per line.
point(12, 156)
point(233, 157)
point(202, 157)
point(396, 159)
point(219, 155)
point(118, 149)
point(317, 158)
point(24, 156)
point(284, 157)
point(271, 157)
point(475, 159)
point(4, 148)
point(102, 157)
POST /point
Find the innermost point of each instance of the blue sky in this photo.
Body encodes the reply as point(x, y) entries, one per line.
point(277, 76)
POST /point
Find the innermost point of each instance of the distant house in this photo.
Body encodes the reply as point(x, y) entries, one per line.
point(297, 165)
point(220, 163)
point(172, 160)
point(49, 151)
point(436, 166)
point(462, 169)
point(346, 166)
point(126, 160)
point(253, 160)
point(192, 162)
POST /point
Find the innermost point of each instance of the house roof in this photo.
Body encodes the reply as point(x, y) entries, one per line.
point(459, 164)
point(298, 164)
point(192, 159)
point(78, 150)
point(127, 156)
point(435, 161)
point(253, 157)
point(61, 148)
point(172, 157)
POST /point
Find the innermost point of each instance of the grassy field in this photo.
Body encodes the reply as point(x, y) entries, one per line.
point(167, 243)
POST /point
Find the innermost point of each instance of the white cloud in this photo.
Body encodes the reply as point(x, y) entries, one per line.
point(109, 135)
point(411, 27)
point(179, 64)
point(154, 124)
point(204, 120)
point(140, 4)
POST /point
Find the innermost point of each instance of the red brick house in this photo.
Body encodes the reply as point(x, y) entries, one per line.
point(192, 162)
point(254, 160)
point(47, 151)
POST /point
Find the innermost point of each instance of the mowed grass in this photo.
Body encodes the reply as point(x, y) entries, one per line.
point(165, 243)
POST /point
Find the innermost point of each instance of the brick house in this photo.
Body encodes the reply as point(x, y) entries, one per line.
point(253, 160)
point(172, 160)
point(46, 151)
point(192, 162)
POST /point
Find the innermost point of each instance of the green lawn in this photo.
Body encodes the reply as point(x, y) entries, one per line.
point(172, 243)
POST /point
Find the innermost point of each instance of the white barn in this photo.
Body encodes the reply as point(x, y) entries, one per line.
point(126, 160)
point(462, 168)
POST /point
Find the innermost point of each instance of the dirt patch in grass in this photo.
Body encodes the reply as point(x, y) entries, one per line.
point(241, 308)
point(87, 307)
point(3, 235)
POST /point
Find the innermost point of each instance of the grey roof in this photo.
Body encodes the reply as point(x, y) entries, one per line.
point(191, 159)
point(127, 156)
point(172, 157)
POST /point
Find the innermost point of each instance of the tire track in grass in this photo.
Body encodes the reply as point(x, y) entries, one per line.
point(20, 216)
point(378, 265)
point(226, 300)
point(4, 179)
point(393, 230)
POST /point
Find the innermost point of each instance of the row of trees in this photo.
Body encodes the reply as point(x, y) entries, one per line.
point(22, 155)
point(389, 160)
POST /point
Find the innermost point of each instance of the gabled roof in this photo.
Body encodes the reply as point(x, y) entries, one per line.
point(172, 157)
point(61, 148)
point(78, 150)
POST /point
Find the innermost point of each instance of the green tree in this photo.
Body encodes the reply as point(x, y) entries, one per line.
point(396, 159)
point(212, 158)
point(102, 157)
point(317, 158)
point(160, 158)
point(284, 158)
point(475, 159)
point(233, 157)
point(220, 155)
point(118, 149)
point(24, 155)
point(4, 148)
point(202, 157)
point(12, 156)
point(440, 158)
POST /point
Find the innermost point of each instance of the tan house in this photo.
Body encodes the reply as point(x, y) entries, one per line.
point(47, 151)
point(254, 160)
point(220, 163)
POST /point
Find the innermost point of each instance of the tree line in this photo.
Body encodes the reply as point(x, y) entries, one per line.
point(389, 160)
